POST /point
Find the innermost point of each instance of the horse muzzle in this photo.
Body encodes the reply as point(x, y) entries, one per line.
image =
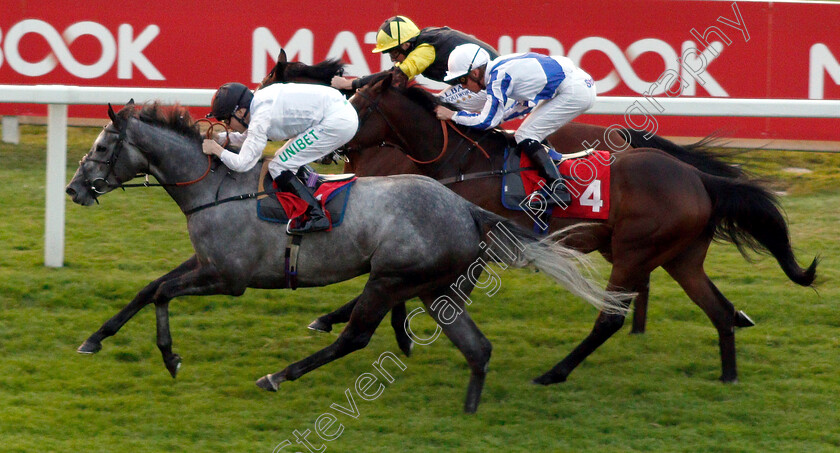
point(81, 194)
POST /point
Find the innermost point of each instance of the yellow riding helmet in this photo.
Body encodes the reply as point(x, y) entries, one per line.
point(394, 32)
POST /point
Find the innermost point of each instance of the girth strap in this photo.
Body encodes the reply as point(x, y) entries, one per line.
point(292, 251)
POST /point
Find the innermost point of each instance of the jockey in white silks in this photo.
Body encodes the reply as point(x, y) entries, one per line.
point(316, 120)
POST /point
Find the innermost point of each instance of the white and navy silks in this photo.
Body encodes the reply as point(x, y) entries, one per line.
point(559, 90)
point(463, 99)
point(315, 119)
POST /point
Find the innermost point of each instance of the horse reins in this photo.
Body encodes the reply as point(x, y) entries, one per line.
point(112, 161)
point(374, 107)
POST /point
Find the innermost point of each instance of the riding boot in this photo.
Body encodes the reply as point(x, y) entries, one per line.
point(546, 168)
point(317, 221)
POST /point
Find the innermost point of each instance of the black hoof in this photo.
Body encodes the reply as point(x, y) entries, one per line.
point(89, 347)
point(637, 331)
point(548, 379)
point(265, 383)
point(742, 320)
point(406, 347)
point(729, 380)
point(319, 326)
point(173, 364)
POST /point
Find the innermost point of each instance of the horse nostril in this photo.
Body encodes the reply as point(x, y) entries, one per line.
point(71, 192)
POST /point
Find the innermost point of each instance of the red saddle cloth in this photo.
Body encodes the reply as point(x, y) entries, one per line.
point(296, 207)
point(589, 185)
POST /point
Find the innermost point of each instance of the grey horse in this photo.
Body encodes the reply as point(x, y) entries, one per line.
point(412, 235)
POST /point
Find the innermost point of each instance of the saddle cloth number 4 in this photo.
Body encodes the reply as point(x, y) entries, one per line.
point(591, 197)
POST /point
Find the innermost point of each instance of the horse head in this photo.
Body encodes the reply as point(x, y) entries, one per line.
point(134, 142)
point(374, 127)
point(285, 71)
point(111, 160)
point(402, 116)
point(277, 72)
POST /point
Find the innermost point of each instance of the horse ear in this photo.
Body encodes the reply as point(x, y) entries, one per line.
point(112, 114)
point(386, 81)
point(130, 103)
point(282, 57)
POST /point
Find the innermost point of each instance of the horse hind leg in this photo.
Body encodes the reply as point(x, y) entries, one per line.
point(369, 310)
point(447, 309)
point(688, 271)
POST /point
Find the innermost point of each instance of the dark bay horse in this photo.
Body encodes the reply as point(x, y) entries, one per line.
point(412, 235)
point(663, 212)
point(387, 159)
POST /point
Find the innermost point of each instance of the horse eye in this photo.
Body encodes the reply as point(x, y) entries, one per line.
point(101, 148)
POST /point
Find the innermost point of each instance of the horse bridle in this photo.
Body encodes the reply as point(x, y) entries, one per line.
point(100, 184)
point(373, 106)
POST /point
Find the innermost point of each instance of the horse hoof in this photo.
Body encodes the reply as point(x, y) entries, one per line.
point(319, 326)
point(729, 380)
point(266, 383)
point(89, 347)
point(173, 365)
point(548, 379)
point(742, 320)
point(407, 348)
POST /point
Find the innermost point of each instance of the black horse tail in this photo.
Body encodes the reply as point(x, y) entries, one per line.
point(699, 155)
point(506, 243)
point(749, 216)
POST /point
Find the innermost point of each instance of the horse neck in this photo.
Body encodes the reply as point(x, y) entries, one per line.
point(172, 158)
point(426, 136)
point(380, 160)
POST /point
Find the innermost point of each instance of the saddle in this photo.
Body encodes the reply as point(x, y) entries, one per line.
point(586, 175)
point(278, 207)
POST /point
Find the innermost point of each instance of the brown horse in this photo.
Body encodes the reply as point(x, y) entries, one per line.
point(663, 212)
point(387, 159)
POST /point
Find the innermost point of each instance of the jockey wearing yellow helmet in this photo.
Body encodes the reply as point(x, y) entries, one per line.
point(416, 52)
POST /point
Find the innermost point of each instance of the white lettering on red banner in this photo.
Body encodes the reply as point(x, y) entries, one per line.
point(128, 52)
point(822, 61)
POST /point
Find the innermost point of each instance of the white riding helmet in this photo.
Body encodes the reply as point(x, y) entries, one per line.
point(464, 59)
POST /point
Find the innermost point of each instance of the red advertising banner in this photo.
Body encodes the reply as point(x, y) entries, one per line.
point(650, 48)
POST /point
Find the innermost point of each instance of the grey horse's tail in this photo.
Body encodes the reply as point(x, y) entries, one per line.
point(508, 243)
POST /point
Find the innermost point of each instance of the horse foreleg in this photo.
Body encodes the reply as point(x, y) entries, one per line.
point(325, 323)
point(398, 315)
point(371, 307)
point(201, 281)
point(164, 339)
point(94, 343)
point(342, 314)
point(640, 306)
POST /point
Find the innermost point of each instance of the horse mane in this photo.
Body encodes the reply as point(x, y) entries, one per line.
point(323, 71)
point(173, 117)
point(420, 96)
